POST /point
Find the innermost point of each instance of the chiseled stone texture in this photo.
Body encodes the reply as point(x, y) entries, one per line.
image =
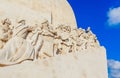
point(55, 11)
point(40, 39)
point(90, 63)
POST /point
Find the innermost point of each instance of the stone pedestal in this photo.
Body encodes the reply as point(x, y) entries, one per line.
point(90, 63)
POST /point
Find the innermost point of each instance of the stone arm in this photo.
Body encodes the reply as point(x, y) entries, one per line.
point(48, 33)
point(30, 29)
point(66, 42)
point(63, 43)
point(56, 36)
point(72, 37)
point(52, 32)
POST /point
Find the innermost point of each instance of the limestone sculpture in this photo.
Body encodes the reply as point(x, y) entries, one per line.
point(40, 39)
point(17, 49)
point(5, 32)
point(25, 42)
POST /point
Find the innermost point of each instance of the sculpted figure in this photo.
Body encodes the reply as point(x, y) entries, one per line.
point(66, 41)
point(36, 40)
point(82, 40)
point(92, 42)
point(47, 29)
point(80, 31)
point(17, 49)
point(25, 42)
point(73, 39)
point(5, 32)
point(86, 39)
point(57, 41)
point(48, 37)
point(62, 42)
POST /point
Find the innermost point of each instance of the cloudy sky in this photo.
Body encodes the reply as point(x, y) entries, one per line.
point(103, 16)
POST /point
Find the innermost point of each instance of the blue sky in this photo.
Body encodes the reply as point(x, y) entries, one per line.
point(103, 16)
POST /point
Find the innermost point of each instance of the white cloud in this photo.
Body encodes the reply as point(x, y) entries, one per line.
point(114, 67)
point(114, 16)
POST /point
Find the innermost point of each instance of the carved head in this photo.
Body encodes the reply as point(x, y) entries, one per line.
point(68, 29)
point(45, 24)
point(22, 22)
point(6, 22)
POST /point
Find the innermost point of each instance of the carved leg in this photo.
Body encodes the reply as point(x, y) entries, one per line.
point(38, 48)
point(55, 48)
point(1, 44)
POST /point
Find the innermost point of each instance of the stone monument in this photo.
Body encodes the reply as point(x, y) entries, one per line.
point(40, 39)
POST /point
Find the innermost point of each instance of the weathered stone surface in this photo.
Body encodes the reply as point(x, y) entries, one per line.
point(42, 51)
point(90, 63)
point(39, 39)
point(55, 11)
